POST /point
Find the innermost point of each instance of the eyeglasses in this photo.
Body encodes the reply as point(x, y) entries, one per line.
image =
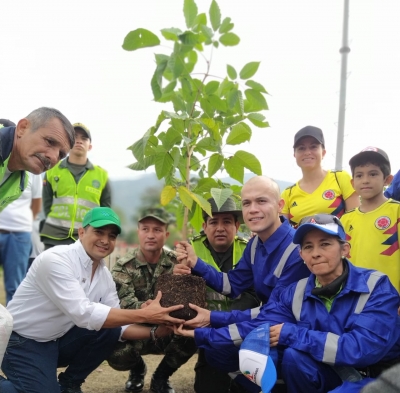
point(321, 219)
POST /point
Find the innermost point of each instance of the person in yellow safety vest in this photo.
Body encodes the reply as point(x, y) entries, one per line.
point(70, 190)
point(219, 246)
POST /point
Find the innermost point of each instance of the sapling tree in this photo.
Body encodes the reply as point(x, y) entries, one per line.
point(204, 113)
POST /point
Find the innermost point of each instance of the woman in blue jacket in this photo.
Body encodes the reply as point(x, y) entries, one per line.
point(339, 320)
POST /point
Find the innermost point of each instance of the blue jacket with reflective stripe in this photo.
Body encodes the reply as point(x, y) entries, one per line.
point(261, 273)
point(393, 191)
point(341, 336)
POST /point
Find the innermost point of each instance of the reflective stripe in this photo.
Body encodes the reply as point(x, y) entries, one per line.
point(235, 335)
point(71, 201)
point(254, 312)
point(234, 374)
point(62, 223)
point(298, 297)
point(253, 249)
point(226, 285)
point(64, 201)
point(289, 249)
point(371, 283)
point(330, 349)
point(215, 296)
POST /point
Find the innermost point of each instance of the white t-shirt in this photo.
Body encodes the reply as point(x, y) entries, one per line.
point(17, 216)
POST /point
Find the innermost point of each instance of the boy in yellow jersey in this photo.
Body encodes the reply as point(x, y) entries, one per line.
point(373, 228)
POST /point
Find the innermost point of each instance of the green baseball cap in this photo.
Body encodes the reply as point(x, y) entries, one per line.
point(156, 212)
point(100, 217)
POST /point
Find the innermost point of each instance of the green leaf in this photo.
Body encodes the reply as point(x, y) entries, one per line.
point(231, 72)
point(167, 195)
point(240, 133)
point(226, 26)
point(176, 65)
point(249, 161)
point(186, 197)
point(201, 19)
point(205, 185)
point(233, 96)
point(163, 162)
point(140, 38)
point(217, 103)
point(189, 38)
point(208, 144)
point(207, 32)
point(139, 147)
point(220, 195)
point(258, 120)
point(215, 15)
point(204, 204)
point(169, 88)
point(239, 106)
point(156, 80)
point(211, 87)
point(171, 34)
point(256, 100)
point(214, 164)
point(229, 39)
point(249, 70)
point(211, 126)
point(172, 137)
point(176, 155)
point(190, 12)
point(207, 107)
point(147, 162)
point(234, 168)
point(196, 220)
point(256, 86)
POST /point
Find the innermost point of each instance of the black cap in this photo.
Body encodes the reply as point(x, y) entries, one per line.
point(6, 123)
point(372, 152)
point(314, 132)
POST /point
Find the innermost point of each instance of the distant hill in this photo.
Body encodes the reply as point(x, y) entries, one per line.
point(129, 195)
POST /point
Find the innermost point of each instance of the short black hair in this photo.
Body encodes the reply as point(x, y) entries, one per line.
point(372, 160)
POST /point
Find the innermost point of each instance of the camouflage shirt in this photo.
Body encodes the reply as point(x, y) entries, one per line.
point(136, 281)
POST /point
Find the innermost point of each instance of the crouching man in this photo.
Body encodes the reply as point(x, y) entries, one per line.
point(66, 313)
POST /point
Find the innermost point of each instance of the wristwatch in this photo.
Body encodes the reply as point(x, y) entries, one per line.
point(153, 333)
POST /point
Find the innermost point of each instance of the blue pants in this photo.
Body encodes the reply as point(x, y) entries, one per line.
point(31, 366)
point(303, 374)
point(15, 248)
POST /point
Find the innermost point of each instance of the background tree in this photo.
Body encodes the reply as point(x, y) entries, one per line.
point(206, 114)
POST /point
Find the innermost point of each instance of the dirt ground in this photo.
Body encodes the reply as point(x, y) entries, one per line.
point(106, 380)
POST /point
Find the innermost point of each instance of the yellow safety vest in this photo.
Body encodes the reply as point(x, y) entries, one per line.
point(216, 301)
point(71, 200)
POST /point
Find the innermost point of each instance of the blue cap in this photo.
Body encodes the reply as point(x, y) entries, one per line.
point(324, 222)
point(254, 360)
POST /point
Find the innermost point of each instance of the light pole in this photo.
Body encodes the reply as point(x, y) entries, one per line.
point(344, 50)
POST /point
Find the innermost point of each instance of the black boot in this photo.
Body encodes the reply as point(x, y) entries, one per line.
point(160, 379)
point(67, 386)
point(135, 382)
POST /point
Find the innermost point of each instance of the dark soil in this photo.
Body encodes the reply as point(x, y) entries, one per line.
point(182, 289)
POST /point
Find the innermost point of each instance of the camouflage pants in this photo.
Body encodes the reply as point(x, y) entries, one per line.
point(177, 349)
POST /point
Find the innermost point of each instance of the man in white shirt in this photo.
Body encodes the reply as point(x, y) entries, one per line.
point(16, 222)
point(66, 313)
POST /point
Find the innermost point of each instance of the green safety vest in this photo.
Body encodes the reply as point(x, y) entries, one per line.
point(216, 301)
point(71, 200)
point(11, 189)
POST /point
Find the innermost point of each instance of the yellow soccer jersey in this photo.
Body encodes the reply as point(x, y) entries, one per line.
point(328, 198)
point(374, 239)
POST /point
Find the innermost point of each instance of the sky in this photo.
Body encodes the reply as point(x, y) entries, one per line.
point(68, 55)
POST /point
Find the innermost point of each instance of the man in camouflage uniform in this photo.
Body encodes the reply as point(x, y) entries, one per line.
point(136, 276)
point(219, 246)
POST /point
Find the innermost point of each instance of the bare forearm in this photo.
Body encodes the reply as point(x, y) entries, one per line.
point(136, 332)
point(117, 317)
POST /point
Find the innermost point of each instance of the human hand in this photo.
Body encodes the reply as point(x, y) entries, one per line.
point(202, 318)
point(185, 254)
point(181, 331)
point(180, 268)
point(274, 334)
point(163, 331)
point(146, 303)
point(160, 315)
